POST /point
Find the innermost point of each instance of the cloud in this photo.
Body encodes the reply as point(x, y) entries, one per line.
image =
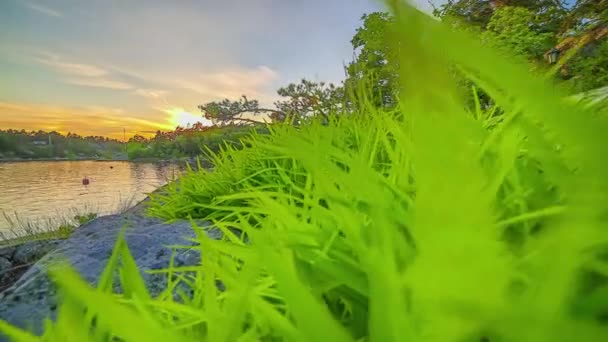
point(87, 75)
point(231, 83)
point(77, 69)
point(88, 120)
point(164, 88)
point(150, 93)
point(190, 88)
point(100, 83)
point(43, 9)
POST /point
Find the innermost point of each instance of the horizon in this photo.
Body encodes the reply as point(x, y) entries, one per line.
point(146, 134)
point(97, 68)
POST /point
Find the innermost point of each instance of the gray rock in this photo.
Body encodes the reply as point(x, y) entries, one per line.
point(7, 252)
point(33, 251)
point(32, 298)
point(5, 266)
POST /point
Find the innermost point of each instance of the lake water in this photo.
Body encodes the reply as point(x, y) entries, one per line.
point(44, 192)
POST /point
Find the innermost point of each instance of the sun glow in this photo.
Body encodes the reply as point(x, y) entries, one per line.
point(183, 118)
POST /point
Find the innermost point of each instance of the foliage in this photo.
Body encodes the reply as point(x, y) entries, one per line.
point(41, 144)
point(228, 111)
point(480, 12)
point(512, 29)
point(302, 101)
point(186, 142)
point(422, 223)
point(376, 59)
point(590, 67)
point(308, 99)
point(525, 27)
point(585, 13)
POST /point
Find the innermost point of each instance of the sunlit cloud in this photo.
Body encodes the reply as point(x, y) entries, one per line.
point(76, 69)
point(145, 76)
point(231, 82)
point(89, 75)
point(89, 120)
point(100, 83)
point(43, 9)
point(181, 117)
point(151, 93)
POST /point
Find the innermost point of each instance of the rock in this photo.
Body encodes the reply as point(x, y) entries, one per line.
point(7, 252)
point(16, 260)
point(5, 266)
point(33, 251)
point(32, 298)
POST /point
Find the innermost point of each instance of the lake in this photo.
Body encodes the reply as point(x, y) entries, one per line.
point(45, 192)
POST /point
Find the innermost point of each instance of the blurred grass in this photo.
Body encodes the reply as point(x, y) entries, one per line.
point(425, 223)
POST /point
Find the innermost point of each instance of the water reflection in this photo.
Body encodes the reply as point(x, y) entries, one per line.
point(37, 190)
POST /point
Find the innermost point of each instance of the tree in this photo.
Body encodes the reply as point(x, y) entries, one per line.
point(589, 69)
point(582, 51)
point(7, 142)
point(479, 12)
point(585, 14)
point(138, 139)
point(375, 64)
point(229, 111)
point(302, 100)
point(307, 99)
point(544, 31)
point(515, 30)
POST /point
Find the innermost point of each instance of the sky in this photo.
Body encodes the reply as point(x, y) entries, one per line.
point(97, 67)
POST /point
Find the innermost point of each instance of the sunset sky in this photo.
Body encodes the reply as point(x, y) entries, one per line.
point(96, 67)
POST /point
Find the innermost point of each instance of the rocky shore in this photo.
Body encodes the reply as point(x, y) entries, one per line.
point(30, 298)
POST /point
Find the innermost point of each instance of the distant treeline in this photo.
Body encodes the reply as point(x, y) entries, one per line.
point(187, 142)
point(15, 144)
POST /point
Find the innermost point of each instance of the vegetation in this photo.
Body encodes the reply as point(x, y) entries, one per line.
point(42, 145)
point(302, 101)
point(59, 227)
point(545, 34)
point(186, 142)
point(421, 220)
point(574, 31)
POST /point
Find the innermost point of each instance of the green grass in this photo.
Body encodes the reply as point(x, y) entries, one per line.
point(59, 226)
point(428, 223)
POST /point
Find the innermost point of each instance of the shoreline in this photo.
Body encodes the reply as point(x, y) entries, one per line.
point(19, 160)
point(18, 255)
point(184, 161)
point(137, 208)
point(140, 160)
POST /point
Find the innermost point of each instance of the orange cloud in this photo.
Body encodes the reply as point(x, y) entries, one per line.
point(165, 98)
point(91, 120)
